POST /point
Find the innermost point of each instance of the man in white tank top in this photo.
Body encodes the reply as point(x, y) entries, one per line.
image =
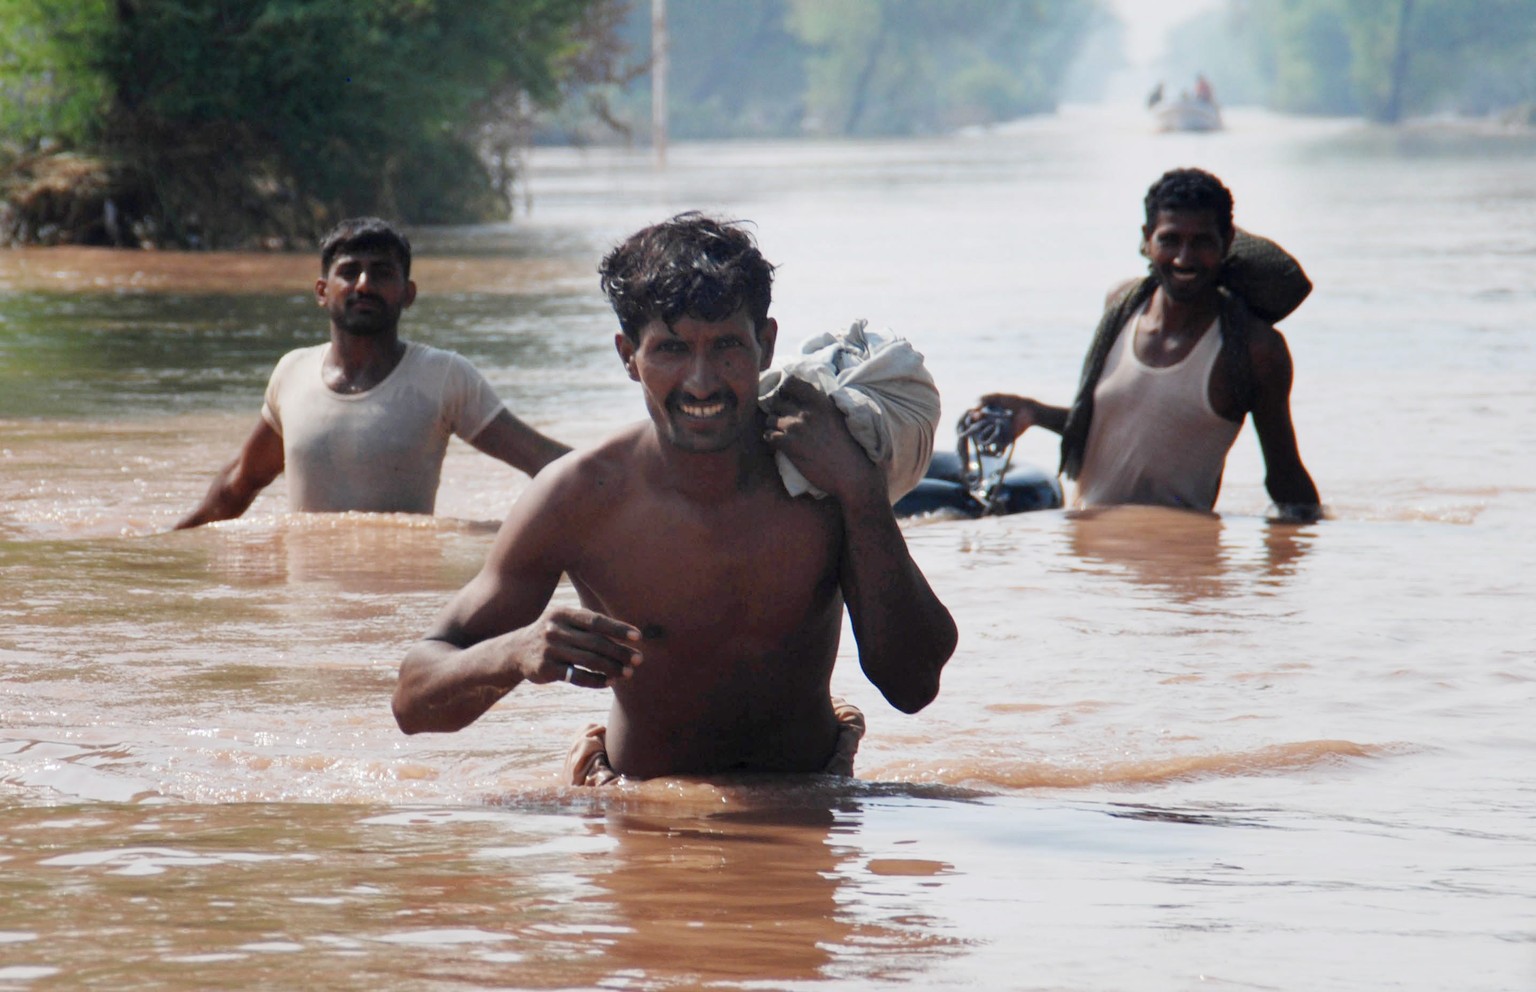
point(1163, 399)
point(362, 422)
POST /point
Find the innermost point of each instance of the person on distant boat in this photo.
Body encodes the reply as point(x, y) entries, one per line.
point(711, 600)
point(1178, 361)
point(1156, 96)
point(362, 422)
point(1203, 91)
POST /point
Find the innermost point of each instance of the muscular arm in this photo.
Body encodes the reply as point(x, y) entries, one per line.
point(237, 485)
point(514, 442)
point(905, 634)
point(496, 632)
point(1285, 477)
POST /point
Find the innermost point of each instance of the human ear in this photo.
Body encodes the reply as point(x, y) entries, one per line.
point(626, 349)
point(320, 292)
point(766, 336)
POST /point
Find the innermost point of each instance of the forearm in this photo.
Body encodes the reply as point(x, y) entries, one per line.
point(1026, 411)
point(225, 500)
point(905, 634)
point(514, 442)
point(1052, 418)
point(444, 688)
point(1286, 479)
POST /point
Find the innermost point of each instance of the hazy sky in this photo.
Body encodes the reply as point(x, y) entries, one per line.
point(1147, 23)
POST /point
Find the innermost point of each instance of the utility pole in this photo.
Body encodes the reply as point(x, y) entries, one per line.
point(1398, 79)
point(659, 46)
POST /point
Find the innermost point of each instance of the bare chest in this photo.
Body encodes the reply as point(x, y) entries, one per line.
point(739, 579)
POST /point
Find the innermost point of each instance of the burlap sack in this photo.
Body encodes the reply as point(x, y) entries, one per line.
point(1264, 276)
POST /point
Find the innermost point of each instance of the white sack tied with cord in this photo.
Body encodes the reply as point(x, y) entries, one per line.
point(886, 394)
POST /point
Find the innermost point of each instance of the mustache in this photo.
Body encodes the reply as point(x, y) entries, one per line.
point(678, 397)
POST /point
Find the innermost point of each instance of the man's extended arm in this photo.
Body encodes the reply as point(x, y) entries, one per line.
point(239, 483)
point(497, 631)
point(905, 634)
point(1029, 412)
point(1289, 484)
point(517, 444)
point(1026, 412)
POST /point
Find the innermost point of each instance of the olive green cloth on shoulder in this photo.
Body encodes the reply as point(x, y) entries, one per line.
point(1265, 276)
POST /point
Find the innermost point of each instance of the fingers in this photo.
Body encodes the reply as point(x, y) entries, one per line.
point(775, 428)
point(796, 390)
point(599, 623)
point(972, 423)
point(586, 648)
point(978, 414)
point(798, 397)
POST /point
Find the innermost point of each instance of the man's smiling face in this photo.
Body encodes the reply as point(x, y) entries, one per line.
point(1186, 248)
point(700, 377)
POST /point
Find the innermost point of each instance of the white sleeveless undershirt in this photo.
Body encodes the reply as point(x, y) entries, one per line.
point(1154, 438)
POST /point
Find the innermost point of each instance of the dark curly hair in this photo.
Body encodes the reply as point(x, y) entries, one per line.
point(1191, 189)
point(690, 265)
point(364, 234)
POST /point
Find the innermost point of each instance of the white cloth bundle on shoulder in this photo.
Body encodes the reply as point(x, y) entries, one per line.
point(878, 381)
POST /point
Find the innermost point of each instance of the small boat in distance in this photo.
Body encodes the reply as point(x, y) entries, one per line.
point(1187, 115)
point(1195, 111)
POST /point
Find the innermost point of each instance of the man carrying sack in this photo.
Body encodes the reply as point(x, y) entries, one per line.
point(1180, 357)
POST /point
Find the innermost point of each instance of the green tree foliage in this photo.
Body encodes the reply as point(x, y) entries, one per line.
point(904, 66)
point(232, 116)
point(1382, 58)
point(734, 70)
point(1470, 57)
point(1291, 56)
point(49, 84)
point(742, 68)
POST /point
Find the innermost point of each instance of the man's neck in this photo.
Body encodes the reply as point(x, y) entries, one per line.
point(356, 363)
point(1179, 320)
point(713, 477)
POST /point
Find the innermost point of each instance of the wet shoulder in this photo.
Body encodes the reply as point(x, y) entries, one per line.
point(595, 477)
point(1268, 352)
point(312, 354)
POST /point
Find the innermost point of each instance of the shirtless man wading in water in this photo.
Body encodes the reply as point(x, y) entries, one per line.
point(712, 601)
